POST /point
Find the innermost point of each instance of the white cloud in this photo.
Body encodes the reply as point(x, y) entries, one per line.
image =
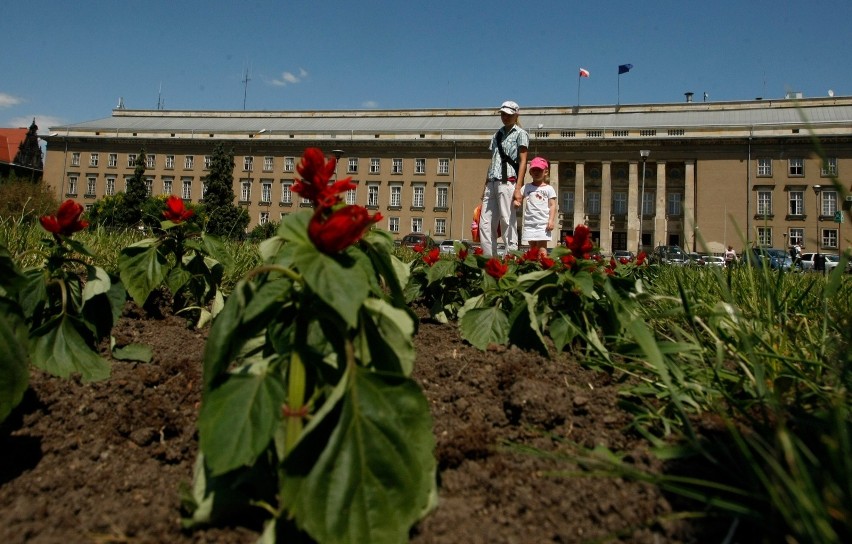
point(370, 104)
point(289, 78)
point(7, 100)
point(44, 122)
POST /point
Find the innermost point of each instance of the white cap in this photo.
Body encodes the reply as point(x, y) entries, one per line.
point(510, 107)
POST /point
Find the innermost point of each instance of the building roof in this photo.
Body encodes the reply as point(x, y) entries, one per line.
point(830, 113)
point(10, 140)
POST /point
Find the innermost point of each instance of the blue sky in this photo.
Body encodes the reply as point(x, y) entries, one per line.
point(68, 62)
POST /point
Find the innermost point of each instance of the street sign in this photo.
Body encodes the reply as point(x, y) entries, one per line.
point(838, 216)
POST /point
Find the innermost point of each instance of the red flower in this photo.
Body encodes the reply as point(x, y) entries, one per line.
point(531, 255)
point(341, 228)
point(581, 243)
point(623, 260)
point(569, 261)
point(66, 221)
point(175, 210)
point(432, 257)
point(495, 268)
point(477, 250)
point(640, 259)
point(546, 262)
point(462, 254)
point(418, 248)
point(316, 173)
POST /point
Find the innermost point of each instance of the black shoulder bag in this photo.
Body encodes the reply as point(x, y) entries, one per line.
point(504, 158)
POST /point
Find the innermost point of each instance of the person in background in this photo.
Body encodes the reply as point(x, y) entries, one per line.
point(539, 199)
point(503, 183)
point(730, 256)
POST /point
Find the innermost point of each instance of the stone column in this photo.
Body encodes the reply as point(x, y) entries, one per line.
point(689, 224)
point(606, 207)
point(579, 195)
point(661, 235)
point(634, 229)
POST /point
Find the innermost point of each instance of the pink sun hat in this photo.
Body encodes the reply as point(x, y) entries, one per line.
point(540, 163)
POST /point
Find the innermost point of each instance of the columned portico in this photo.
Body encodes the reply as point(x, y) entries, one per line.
point(579, 195)
point(606, 207)
point(689, 219)
point(633, 203)
point(661, 234)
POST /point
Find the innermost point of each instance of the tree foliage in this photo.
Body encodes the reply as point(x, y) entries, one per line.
point(224, 217)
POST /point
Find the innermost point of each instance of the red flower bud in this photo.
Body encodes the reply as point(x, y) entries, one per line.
point(495, 268)
point(175, 211)
point(66, 221)
point(341, 228)
point(432, 257)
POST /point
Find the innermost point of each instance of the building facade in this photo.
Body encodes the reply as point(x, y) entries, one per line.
point(698, 175)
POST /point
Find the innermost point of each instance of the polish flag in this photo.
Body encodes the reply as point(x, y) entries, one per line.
point(584, 72)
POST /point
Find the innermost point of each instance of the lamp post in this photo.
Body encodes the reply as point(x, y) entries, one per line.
point(644, 154)
point(337, 154)
point(817, 191)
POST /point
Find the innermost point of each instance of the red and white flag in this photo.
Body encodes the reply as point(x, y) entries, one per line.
point(584, 72)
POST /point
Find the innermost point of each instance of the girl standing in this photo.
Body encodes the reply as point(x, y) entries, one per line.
point(539, 199)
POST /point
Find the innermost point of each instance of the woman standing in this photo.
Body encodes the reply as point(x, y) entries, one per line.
point(502, 192)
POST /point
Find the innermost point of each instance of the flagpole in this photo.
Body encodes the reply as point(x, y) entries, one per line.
point(579, 77)
point(618, 92)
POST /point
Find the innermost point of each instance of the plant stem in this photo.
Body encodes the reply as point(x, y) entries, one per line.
point(274, 268)
point(295, 400)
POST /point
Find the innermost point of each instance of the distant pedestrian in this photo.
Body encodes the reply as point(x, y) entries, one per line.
point(539, 199)
point(730, 257)
point(502, 192)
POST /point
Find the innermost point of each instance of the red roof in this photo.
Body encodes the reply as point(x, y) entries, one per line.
point(10, 139)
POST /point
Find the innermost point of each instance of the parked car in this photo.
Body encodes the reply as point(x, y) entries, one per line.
point(620, 254)
point(449, 246)
point(808, 260)
point(416, 238)
point(714, 260)
point(669, 255)
point(774, 258)
point(695, 259)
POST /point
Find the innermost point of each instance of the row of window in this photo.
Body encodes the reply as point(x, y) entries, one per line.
point(393, 223)
point(796, 167)
point(826, 202)
point(443, 166)
point(674, 203)
point(827, 237)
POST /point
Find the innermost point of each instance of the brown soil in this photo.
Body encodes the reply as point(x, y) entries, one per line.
point(103, 462)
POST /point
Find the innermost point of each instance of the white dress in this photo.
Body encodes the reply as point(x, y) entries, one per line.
point(537, 211)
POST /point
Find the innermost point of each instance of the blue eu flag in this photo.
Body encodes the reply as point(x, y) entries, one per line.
point(624, 68)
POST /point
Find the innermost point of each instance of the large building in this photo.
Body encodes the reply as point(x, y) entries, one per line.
point(701, 175)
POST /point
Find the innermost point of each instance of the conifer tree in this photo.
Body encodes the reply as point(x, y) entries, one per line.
point(224, 217)
point(29, 152)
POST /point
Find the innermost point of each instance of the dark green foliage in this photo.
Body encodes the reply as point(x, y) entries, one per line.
point(262, 232)
point(137, 193)
point(25, 200)
point(224, 218)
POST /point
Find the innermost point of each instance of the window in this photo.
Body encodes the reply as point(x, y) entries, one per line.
point(442, 193)
point(829, 238)
point(167, 185)
point(245, 191)
point(110, 186)
point(829, 202)
point(416, 224)
point(93, 159)
point(150, 161)
point(112, 160)
point(440, 226)
point(648, 204)
point(351, 195)
point(764, 236)
point(289, 164)
point(75, 159)
point(264, 218)
point(149, 186)
point(72, 185)
point(208, 160)
point(266, 192)
point(286, 192)
point(593, 203)
point(764, 203)
point(131, 160)
point(203, 189)
point(419, 166)
point(796, 167)
point(764, 167)
point(395, 196)
point(188, 162)
point(91, 183)
point(797, 202)
point(373, 196)
point(797, 236)
point(443, 167)
point(352, 166)
point(267, 165)
point(396, 166)
point(393, 224)
point(248, 162)
point(170, 162)
point(417, 196)
point(829, 167)
point(374, 166)
point(673, 204)
point(619, 203)
point(568, 202)
point(186, 189)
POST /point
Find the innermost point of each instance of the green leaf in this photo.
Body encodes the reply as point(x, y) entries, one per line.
point(58, 348)
point(142, 353)
point(390, 331)
point(442, 269)
point(97, 282)
point(373, 477)
point(237, 420)
point(525, 329)
point(562, 330)
point(142, 269)
point(14, 375)
point(215, 248)
point(343, 287)
point(483, 326)
point(33, 291)
point(177, 278)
